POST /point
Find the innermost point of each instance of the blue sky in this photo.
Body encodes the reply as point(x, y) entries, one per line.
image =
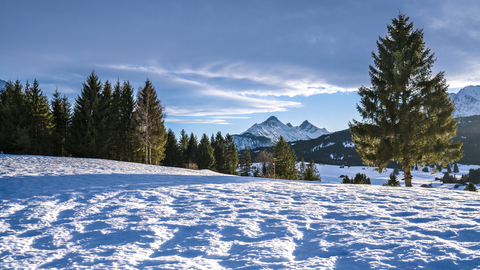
point(225, 65)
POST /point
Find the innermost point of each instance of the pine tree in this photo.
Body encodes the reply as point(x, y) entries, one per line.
point(471, 187)
point(172, 152)
point(13, 118)
point(183, 145)
point(151, 131)
point(245, 162)
point(311, 172)
point(232, 155)
point(192, 149)
point(84, 132)
point(127, 123)
point(455, 168)
point(392, 181)
point(39, 121)
point(221, 156)
point(407, 113)
point(107, 120)
point(285, 164)
point(205, 156)
point(61, 111)
point(301, 170)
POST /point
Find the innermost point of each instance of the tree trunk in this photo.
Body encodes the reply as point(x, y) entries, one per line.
point(408, 176)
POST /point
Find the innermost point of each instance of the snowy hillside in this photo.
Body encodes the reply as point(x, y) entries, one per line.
point(98, 214)
point(268, 133)
point(467, 101)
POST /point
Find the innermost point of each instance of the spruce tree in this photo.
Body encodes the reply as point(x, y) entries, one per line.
point(232, 155)
point(39, 121)
point(172, 152)
point(183, 145)
point(107, 120)
point(245, 162)
point(192, 149)
point(151, 130)
point(221, 156)
point(84, 132)
point(311, 172)
point(455, 168)
point(301, 170)
point(13, 119)
point(285, 164)
point(407, 113)
point(205, 156)
point(61, 112)
point(127, 124)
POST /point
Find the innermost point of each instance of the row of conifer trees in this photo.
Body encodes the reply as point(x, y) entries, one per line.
point(218, 153)
point(106, 121)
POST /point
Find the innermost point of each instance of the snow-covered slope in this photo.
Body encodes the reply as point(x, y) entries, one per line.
point(268, 133)
point(467, 101)
point(71, 213)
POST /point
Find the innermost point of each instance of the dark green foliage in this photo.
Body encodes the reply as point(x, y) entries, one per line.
point(192, 149)
point(361, 178)
point(447, 178)
point(173, 156)
point(150, 130)
point(39, 120)
point(13, 118)
point(205, 155)
point(221, 155)
point(86, 121)
point(127, 142)
point(449, 168)
point(474, 176)
point(245, 162)
point(347, 180)
point(266, 159)
point(392, 181)
point(285, 160)
point(455, 168)
point(311, 172)
point(62, 114)
point(438, 167)
point(232, 155)
point(471, 187)
point(425, 169)
point(301, 170)
point(396, 171)
point(183, 145)
point(407, 113)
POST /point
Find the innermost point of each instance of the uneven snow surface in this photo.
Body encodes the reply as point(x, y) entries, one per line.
point(99, 214)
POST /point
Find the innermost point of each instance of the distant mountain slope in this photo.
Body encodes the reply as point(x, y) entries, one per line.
point(268, 133)
point(467, 101)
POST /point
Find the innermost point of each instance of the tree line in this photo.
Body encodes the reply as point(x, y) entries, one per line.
point(106, 121)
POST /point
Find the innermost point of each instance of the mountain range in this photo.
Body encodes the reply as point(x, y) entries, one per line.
point(268, 133)
point(467, 101)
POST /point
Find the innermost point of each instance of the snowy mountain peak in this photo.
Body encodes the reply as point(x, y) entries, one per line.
point(269, 132)
point(467, 101)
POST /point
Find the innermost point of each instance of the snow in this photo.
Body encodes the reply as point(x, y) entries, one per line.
point(348, 144)
point(99, 214)
point(318, 147)
point(467, 101)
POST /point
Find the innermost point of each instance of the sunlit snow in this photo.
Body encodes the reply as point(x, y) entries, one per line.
point(100, 214)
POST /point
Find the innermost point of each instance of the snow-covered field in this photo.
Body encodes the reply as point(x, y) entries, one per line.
point(99, 214)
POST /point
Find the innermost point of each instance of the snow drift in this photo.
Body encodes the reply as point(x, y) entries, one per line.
point(87, 213)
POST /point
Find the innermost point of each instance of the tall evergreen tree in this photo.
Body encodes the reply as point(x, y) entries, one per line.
point(205, 156)
point(183, 146)
point(126, 122)
point(245, 162)
point(13, 117)
point(172, 152)
point(285, 164)
point(221, 156)
point(39, 121)
point(407, 113)
point(192, 149)
point(151, 131)
point(107, 123)
point(86, 122)
point(61, 112)
point(311, 172)
point(232, 155)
